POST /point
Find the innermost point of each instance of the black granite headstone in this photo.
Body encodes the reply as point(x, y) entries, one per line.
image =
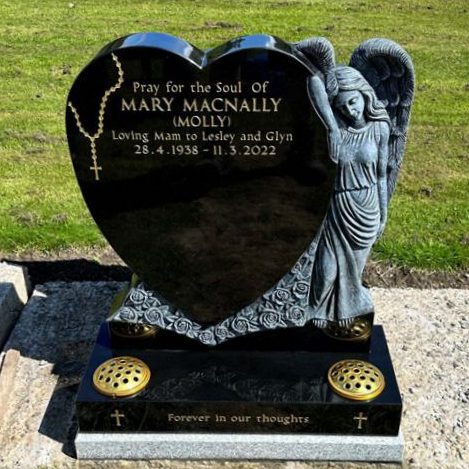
point(206, 171)
point(209, 174)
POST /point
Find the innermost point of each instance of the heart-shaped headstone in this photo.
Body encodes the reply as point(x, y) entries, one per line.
point(206, 171)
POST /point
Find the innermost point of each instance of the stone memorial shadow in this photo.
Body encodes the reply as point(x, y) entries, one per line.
point(57, 329)
point(71, 270)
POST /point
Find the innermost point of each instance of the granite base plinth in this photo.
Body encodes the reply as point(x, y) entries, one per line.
point(239, 446)
point(243, 391)
point(238, 404)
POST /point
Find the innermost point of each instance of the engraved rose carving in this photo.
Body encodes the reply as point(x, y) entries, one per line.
point(270, 319)
point(154, 316)
point(127, 314)
point(296, 315)
point(138, 297)
point(207, 337)
point(300, 289)
point(153, 301)
point(281, 296)
point(240, 325)
point(299, 267)
point(182, 326)
point(221, 332)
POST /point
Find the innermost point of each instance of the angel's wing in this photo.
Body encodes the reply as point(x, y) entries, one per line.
point(320, 53)
point(388, 69)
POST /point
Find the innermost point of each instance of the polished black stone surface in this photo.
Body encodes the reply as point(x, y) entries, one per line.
point(307, 338)
point(206, 171)
point(243, 390)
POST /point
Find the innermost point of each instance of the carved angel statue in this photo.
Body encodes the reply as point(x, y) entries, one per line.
point(365, 108)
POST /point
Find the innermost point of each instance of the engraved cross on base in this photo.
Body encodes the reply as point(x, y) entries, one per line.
point(117, 415)
point(361, 418)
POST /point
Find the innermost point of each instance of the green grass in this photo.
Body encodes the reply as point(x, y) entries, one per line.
point(44, 45)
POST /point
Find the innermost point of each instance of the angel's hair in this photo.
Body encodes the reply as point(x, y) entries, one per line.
point(350, 79)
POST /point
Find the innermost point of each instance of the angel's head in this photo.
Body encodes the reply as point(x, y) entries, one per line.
point(354, 98)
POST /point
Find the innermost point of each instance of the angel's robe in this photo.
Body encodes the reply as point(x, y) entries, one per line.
point(349, 230)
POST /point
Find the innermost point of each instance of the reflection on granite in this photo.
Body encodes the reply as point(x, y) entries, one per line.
point(244, 387)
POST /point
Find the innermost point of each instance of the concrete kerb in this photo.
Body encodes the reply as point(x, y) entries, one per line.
point(15, 289)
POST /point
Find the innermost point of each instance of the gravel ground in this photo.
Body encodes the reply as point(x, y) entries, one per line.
point(41, 365)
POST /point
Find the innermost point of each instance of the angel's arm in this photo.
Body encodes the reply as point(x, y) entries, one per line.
point(318, 96)
point(382, 174)
point(320, 101)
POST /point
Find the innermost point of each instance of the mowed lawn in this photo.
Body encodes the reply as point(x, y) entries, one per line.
point(45, 44)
